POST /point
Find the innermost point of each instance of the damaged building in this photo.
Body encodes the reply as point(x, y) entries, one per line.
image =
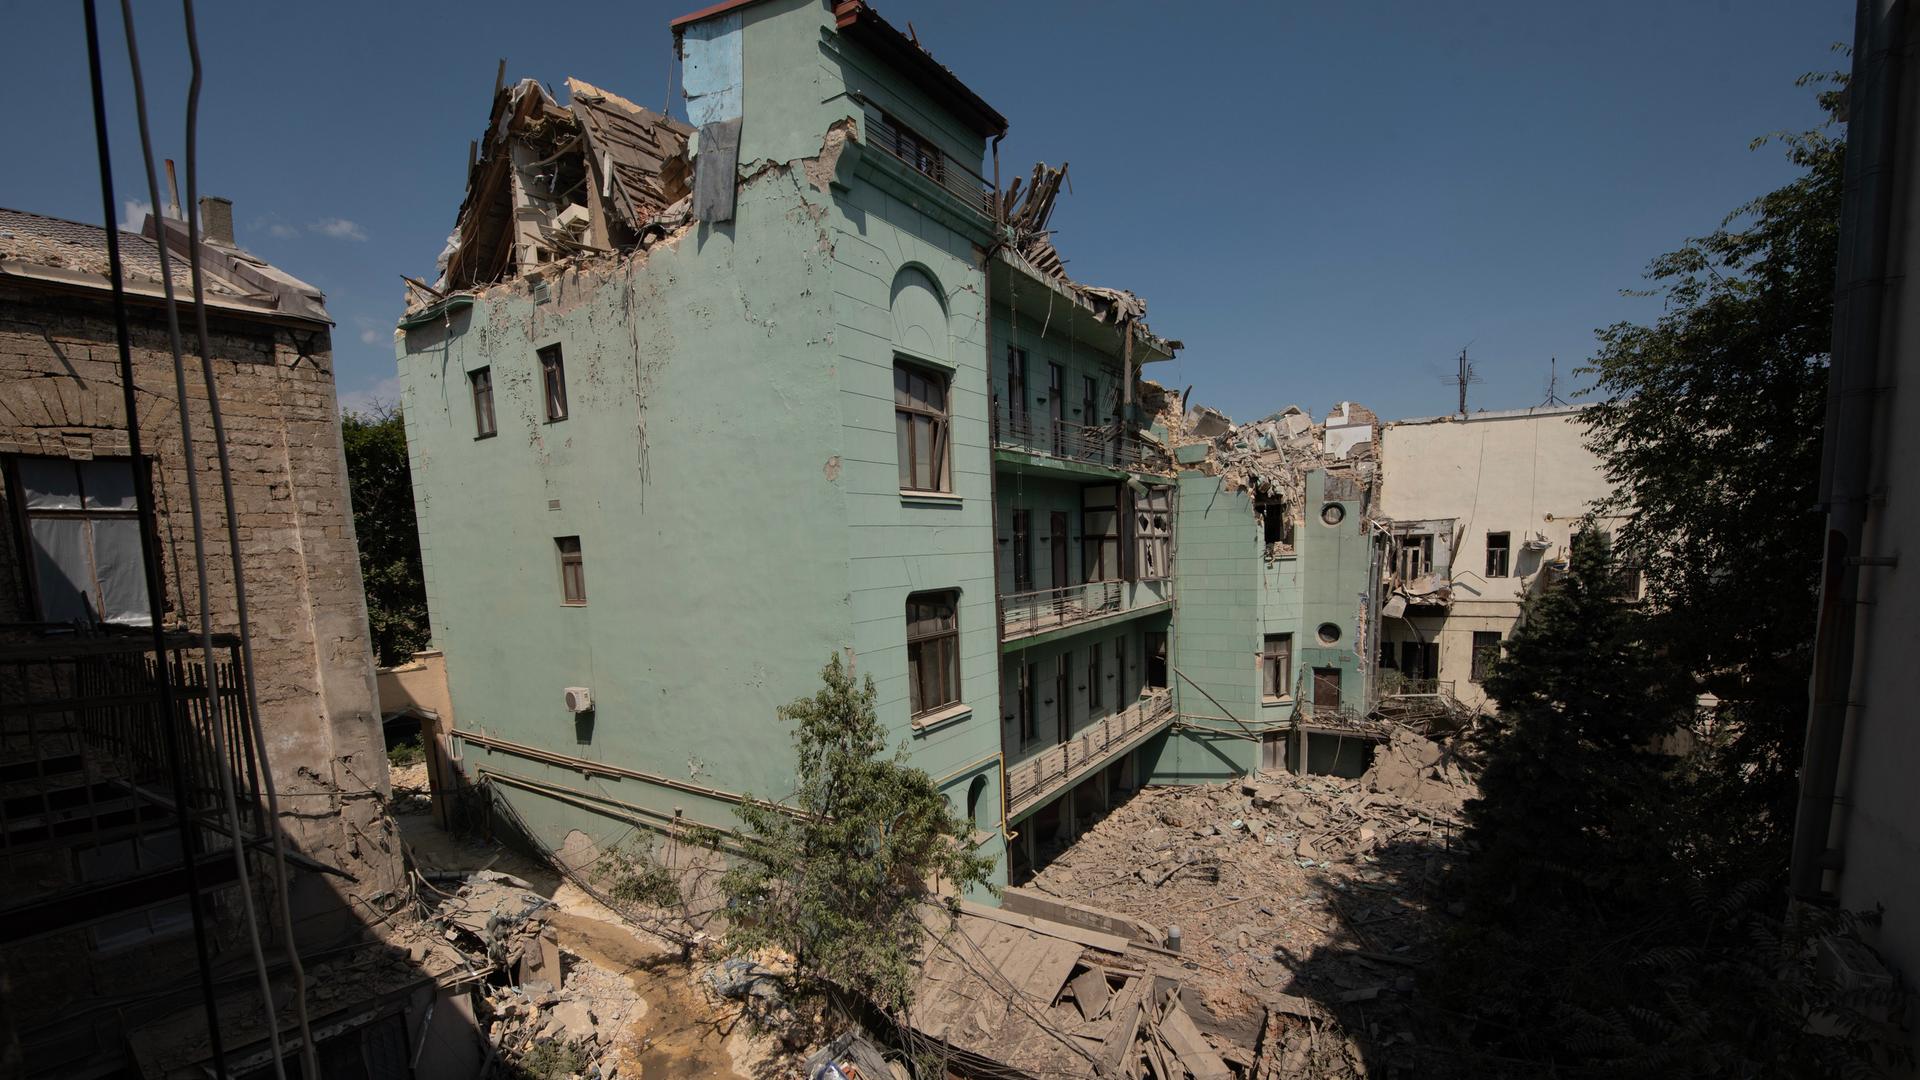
point(131, 764)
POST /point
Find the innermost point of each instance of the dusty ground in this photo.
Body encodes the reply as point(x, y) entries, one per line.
point(642, 1002)
point(1312, 896)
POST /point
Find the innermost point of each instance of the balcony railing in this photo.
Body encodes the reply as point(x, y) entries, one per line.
point(916, 153)
point(1068, 441)
point(1026, 613)
point(1393, 685)
point(1064, 764)
point(87, 758)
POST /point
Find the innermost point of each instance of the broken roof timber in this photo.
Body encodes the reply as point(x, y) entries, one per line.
point(1080, 310)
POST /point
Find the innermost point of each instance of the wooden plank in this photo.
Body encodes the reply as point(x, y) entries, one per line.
point(1091, 938)
point(1184, 1039)
point(1126, 1024)
point(1091, 993)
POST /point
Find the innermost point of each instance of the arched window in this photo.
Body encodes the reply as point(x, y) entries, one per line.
point(975, 792)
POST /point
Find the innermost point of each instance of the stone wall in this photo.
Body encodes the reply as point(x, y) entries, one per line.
point(60, 395)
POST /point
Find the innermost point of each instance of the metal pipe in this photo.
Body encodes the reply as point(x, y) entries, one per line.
point(1847, 461)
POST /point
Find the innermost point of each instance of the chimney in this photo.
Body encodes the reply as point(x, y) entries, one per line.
point(216, 219)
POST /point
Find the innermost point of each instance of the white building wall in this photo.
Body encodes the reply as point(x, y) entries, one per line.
point(1525, 473)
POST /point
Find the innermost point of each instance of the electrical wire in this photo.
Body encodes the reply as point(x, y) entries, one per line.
point(149, 555)
point(242, 874)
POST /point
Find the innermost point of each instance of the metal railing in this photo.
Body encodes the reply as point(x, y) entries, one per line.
point(1025, 613)
point(1063, 764)
point(85, 756)
point(1068, 441)
point(917, 153)
point(1395, 685)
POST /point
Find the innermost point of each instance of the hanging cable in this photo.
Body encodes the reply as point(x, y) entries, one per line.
point(218, 729)
point(149, 556)
point(255, 730)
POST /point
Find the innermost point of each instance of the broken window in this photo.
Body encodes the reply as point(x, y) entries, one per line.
point(1276, 523)
point(933, 651)
point(83, 525)
point(1276, 667)
point(553, 376)
point(1100, 532)
point(1153, 533)
point(1415, 556)
point(1017, 384)
point(1157, 661)
point(1022, 551)
point(573, 570)
point(920, 428)
point(1499, 553)
point(1420, 659)
point(480, 381)
point(1486, 650)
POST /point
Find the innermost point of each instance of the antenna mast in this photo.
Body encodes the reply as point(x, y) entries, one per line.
point(1553, 383)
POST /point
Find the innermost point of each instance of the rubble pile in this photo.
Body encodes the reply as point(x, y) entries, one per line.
point(1307, 897)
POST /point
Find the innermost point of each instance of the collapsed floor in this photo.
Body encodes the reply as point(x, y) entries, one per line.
point(1302, 905)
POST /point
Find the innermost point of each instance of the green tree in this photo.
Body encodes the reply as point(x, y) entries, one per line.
point(381, 486)
point(841, 875)
point(1709, 426)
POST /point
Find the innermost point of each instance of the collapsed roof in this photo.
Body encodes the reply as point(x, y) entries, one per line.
point(548, 181)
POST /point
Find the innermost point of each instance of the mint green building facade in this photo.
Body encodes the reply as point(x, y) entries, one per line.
point(630, 579)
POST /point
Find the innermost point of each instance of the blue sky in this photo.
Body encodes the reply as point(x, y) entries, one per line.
point(1324, 201)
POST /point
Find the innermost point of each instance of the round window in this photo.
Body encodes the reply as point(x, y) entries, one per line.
point(1329, 633)
point(1333, 513)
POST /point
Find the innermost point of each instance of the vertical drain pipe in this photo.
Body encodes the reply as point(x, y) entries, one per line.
point(1847, 461)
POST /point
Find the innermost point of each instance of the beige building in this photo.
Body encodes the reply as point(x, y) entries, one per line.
point(1482, 510)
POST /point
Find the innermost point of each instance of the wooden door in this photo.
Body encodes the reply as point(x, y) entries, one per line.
point(1057, 527)
point(1326, 688)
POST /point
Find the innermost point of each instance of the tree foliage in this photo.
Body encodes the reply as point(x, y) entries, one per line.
point(1709, 426)
point(840, 876)
point(381, 485)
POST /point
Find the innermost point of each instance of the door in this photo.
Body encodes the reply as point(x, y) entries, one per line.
point(1057, 540)
point(1057, 407)
point(1022, 553)
point(1062, 697)
point(1157, 659)
point(1326, 688)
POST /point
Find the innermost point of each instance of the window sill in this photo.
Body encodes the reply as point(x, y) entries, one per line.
point(941, 717)
point(573, 603)
point(488, 435)
point(1267, 702)
point(930, 498)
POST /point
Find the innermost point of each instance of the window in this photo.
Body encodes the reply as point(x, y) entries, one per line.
point(480, 381)
point(1276, 667)
point(1023, 704)
point(83, 526)
point(1328, 633)
point(933, 651)
point(1486, 650)
point(573, 570)
point(1095, 676)
point(920, 428)
point(1420, 659)
point(1022, 551)
point(1017, 383)
point(1276, 523)
point(1333, 513)
point(975, 792)
point(909, 146)
point(1057, 407)
point(1089, 401)
point(1153, 533)
point(1120, 670)
point(1415, 556)
point(553, 375)
point(1499, 550)
point(1157, 659)
point(1100, 532)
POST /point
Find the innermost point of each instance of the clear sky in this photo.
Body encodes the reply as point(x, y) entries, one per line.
point(1324, 201)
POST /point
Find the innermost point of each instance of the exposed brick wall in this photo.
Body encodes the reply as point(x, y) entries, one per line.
point(60, 395)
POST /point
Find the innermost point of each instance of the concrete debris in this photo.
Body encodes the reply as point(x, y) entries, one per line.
point(1319, 904)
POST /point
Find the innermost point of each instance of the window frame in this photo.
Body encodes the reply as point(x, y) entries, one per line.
point(1095, 676)
point(139, 472)
point(940, 425)
point(485, 421)
point(1022, 525)
point(1276, 522)
point(573, 587)
point(553, 381)
point(1016, 384)
point(1484, 654)
point(1283, 677)
point(942, 639)
point(1505, 551)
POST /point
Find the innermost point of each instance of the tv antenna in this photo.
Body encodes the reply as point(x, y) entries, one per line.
point(1463, 377)
point(1553, 383)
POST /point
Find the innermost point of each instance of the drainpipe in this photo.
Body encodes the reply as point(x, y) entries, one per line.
point(1854, 384)
point(993, 474)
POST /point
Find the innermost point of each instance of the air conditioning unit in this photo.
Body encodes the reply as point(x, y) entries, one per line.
point(579, 699)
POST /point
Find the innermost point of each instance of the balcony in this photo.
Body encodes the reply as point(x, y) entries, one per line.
point(1059, 767)
point(916, 153)
point(98, 781)
point(1103, 447)
point(1026, 614)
